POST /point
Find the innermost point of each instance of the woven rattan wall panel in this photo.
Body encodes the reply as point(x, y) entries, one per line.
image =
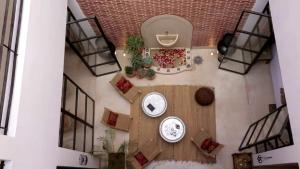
point(210, 18)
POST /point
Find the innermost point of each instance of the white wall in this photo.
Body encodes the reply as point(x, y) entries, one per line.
point(38, 91)
point(285, 18)
point(79, 73)
point(259, 85)
point(276, 76)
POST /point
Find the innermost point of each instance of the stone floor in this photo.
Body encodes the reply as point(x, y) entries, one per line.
point(236, 96)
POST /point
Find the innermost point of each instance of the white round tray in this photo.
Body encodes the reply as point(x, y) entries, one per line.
point(172, 129)
point(154, 104)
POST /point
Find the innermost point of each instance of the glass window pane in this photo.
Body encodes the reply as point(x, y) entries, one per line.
point(81, 105)
point(248, 136)
point(250, 42)
point(246, 25)
point(234, 66)
point(256, 43)
point(240, 55)
point(106, 68)
point(89, 140)
point(91, 59)
point(90, 111)
point(79, 136)
point(68, 132)
point(104, 57)
point(265, 130)
point(101, 43)
point(256, 24)
point(263, 26)
point(279, 123)
point(70, 97)
point(256, 132)
point(2, 14)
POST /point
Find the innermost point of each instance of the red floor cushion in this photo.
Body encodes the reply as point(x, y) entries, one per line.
point(112, 119)
point(209, 145)
point(141, 158)
point(213, 145)
point(124, 85)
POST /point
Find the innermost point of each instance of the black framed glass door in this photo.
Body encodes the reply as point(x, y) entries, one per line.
point(77, 118)
point(249, 42)
point(86, 37)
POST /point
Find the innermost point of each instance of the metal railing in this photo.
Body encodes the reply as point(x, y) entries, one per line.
point(10, 21)
point(268, 132)
point(77, 118)
point(86, 37)
point(250, 42)
point(2, 164)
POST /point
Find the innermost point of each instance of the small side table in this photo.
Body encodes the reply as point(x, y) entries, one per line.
point(242, 160)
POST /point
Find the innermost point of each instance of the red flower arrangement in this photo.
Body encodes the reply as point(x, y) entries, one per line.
point(169, 58)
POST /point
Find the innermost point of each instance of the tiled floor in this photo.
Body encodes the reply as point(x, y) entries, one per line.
point(236, 96)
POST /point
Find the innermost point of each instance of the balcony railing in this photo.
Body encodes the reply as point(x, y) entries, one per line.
point(2, 164)
point(249, 43)
point(86, 37)
point(271, 132)
point(77, 118)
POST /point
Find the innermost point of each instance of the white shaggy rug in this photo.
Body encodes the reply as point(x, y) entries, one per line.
point(181, 165)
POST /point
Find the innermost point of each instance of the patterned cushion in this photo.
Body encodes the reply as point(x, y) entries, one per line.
point(209, 145)
point(124, 85)
point(112, 119)
point(141, 158)
point(213, 145)
point(205, 144)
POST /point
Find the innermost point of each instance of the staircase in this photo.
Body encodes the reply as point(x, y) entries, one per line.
point(271, 132)
point(253, 36)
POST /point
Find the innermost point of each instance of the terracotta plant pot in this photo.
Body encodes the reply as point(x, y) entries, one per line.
point(147, 65)
point(130, 75)
point(147, 62)
point(150, 74)
point(151, 77)
point(140, 76)
point(116, 160)
point(141, 73)
point(130, 72)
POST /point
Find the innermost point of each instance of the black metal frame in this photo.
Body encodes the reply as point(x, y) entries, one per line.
point(63, 167)
point(65, 113)
point(267, 139)
point(269, 39)
point(11, 58)
point(111, 47)
point(2, 164)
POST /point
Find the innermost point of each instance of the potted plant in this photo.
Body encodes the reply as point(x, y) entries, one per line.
point(150, 74)
point(147, 62)
point(130, 72)
point(108, 142)
point(134, 45)
point(137, 62)
point(141, 73)
point(116, 159)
